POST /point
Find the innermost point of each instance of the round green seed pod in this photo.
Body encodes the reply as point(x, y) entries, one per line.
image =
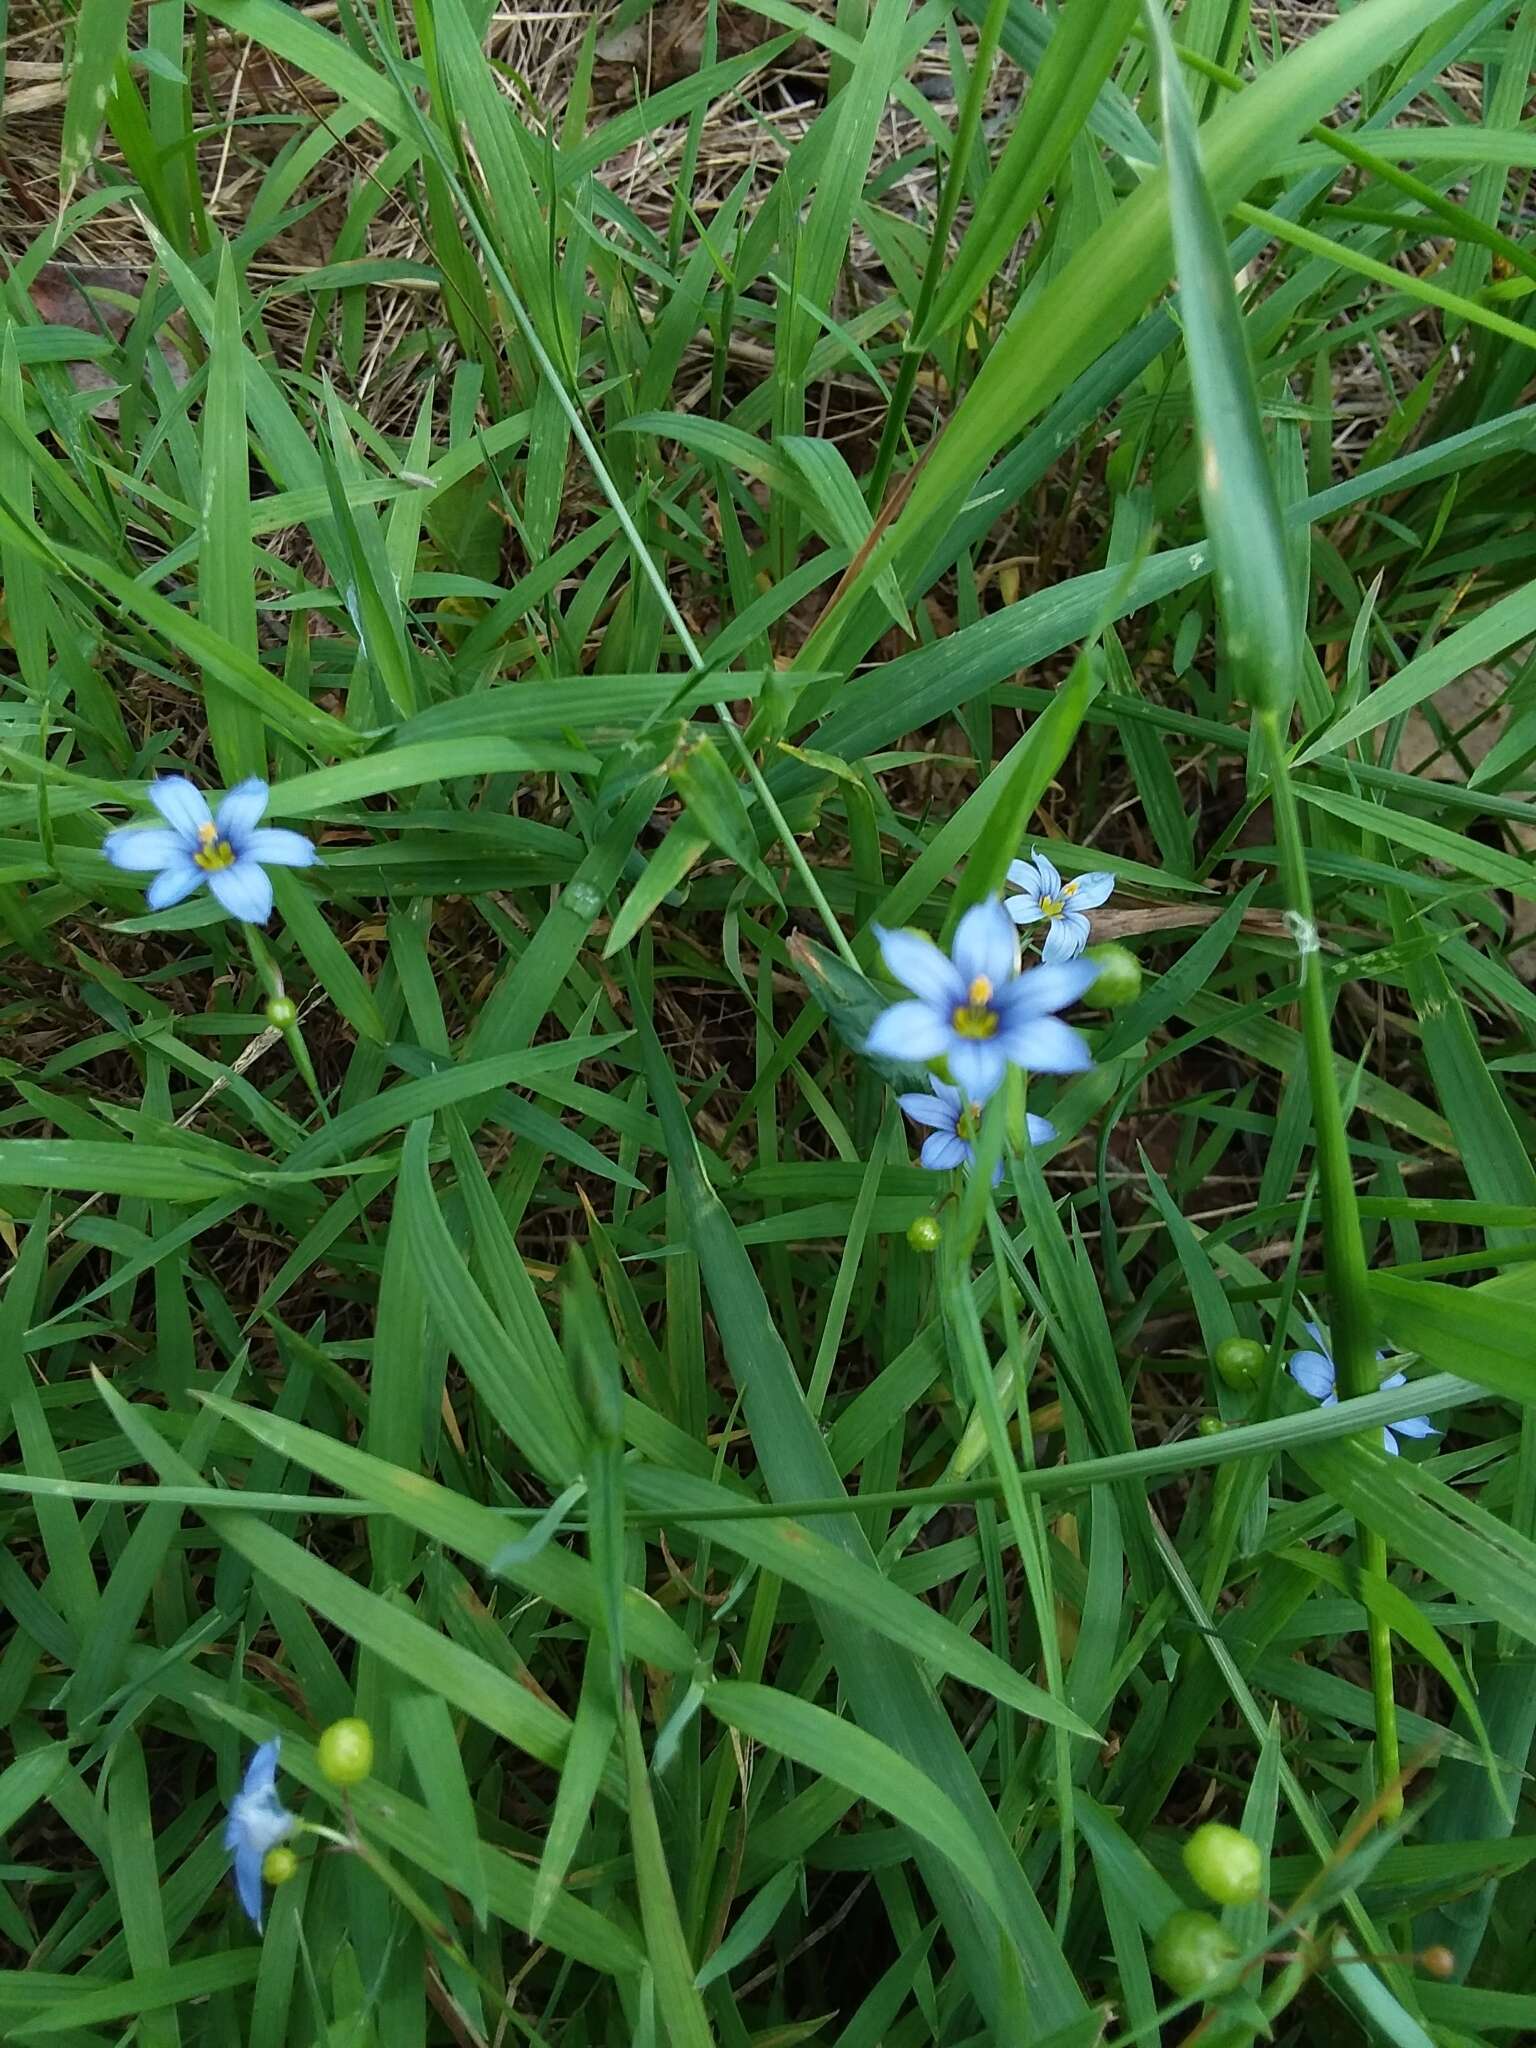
point(278, 1865)
point(1194, 1955)
point(1226, 1864)
point(282, 1013)
point(1119, 979)
point(1239, 1363)
point(924, 1233)
point(345, 1751)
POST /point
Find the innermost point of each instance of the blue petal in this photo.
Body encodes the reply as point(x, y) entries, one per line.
point(1049, 873)
point(174, 883)
point(1023, 910)
point(1043, 1045)
point(1313, 1373)
point(1066, 938)
point(274, 846)
point(918, 965)
point(943, 1150)
point(243, 890)
point(248, 1862)
point(997, 1174)
point(1092, 890)
point(1397, 1379)
point(1389, 1443)
point(143, 848)
point(261, 1771)
point(1415, 1426)
point(1042, 991)
point(929, 1111)
point(978, 1065)
point(986, 945)
point(1041, 1132)
point(908, 1031)
point(182, 805)
point(1024, 875)
point(240, 812)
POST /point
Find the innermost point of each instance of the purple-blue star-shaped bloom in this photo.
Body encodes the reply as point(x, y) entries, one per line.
point(975, 1009)
point(1313, 1372)
point(257, 1822)
point(1061, 904)
point(230, 851)
point(952, 1124)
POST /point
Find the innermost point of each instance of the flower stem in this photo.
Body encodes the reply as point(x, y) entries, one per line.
point(270, 976)
point(1351, 1323)
point(938, 249)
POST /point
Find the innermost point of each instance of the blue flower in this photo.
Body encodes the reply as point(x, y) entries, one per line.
point(1313, 1372)
point(952, 1123)
point(230, 852)
point(257, 1822)
point(1060, 903)
point(975, 1009)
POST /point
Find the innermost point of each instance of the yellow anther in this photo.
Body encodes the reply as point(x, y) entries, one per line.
point(979, 992)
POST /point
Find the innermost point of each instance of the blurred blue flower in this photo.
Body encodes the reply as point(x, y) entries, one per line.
point(976, 1009)
point(1061, 904)
point(257, 1822)
point(952, 1123)
point(1313, 1372)
point(230, 852)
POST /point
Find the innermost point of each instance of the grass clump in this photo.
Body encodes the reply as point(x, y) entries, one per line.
point(656, 1434)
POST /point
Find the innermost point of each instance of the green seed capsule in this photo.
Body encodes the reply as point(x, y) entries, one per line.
point(1194, 1955)
point(1239, 1362)
point(924, 1233)
point(345, 1751)
point(278, 1865)
point(282, 1013)
point(1226, 1864)
point(1119, 979)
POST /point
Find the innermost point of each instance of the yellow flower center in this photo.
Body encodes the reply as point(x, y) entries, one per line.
point(973, 1018)
point(213, 852)
point(1053, 906)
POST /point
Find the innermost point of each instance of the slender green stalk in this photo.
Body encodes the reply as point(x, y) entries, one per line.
point(938, 249)
point(270, 976)
point(1351, 1321)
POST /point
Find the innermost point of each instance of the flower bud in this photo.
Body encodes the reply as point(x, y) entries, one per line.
point(278, 1865)
point(1119, 979)
point(1209, 1425)
point(1194, 1955)
point(924, 1233)
point(1226, 1864)
point(1438, 1961)
point(282, 1013)
point(345, 1751)
point(1239, 1363)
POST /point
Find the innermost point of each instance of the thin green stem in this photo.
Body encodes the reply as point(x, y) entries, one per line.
point(938, 250)
point(270, 976)
point(1352, 1327)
